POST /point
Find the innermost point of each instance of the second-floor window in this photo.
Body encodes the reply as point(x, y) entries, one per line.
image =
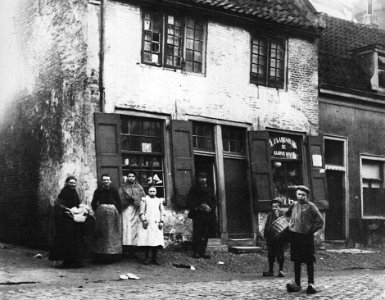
point(173, 41)
point(268, 61)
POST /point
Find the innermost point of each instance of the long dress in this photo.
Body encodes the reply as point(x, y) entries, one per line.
point(153, 210)
point(69, 239)
point(131, 195)
point(107, 237)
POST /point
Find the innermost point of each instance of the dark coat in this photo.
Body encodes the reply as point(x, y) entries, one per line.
point(69, 240)
point(200, 194)
point(106, 196)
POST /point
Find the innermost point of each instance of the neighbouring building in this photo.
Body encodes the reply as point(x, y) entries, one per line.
point(352, 120)
point(166, 88)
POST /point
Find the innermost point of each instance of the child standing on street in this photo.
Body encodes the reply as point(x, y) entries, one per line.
point(305, 220)
point(275, 247)
point(150, 234)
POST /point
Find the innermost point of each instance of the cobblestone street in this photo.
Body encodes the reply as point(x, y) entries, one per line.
point(360, 285)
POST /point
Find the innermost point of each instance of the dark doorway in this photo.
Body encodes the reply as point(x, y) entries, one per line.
point(237, 198)
point(207, 164)
point(334, 219)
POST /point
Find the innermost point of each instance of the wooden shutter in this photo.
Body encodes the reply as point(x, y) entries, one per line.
point(260, 170)
point(108, 156)
point(317, 171)
point(183, 160)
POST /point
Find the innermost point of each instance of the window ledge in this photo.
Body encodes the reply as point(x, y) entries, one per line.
point(150, 66)
point(267, 87)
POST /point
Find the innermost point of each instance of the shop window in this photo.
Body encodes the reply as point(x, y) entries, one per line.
point(142, 151)
point(373, 202)
point(286, 175)
point(203, 137)
point(286, 165)
point(182, 46)
point(233, 140)
point(268, 61)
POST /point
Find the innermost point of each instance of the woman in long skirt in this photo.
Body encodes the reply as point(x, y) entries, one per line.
point(107, 207)
point(69, 241)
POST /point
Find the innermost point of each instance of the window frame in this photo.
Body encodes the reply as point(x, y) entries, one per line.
point(140, 169)
point(162, 61)
point(380, 70)
point(381, 181)
point(267, 81)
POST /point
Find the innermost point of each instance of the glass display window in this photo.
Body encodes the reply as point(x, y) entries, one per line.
point(286, 175)
point(142, 152)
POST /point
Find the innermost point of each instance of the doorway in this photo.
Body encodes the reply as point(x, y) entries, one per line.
point(334, 218)
point(237, 198)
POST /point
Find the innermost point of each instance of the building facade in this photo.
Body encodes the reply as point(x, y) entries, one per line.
point(352, 94)
point(166, 88)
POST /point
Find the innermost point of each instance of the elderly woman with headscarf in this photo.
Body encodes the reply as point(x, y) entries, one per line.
point(70, 215)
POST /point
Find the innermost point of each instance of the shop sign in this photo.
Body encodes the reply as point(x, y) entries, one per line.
point(284, 147)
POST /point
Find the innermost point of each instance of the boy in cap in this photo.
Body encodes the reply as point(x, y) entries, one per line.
point(305, 220)
point(275, 247)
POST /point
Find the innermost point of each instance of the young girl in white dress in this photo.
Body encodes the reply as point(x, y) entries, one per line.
point(150, 234)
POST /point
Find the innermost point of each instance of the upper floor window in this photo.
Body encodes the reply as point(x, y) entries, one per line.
point(173, 41)
point(268, 61)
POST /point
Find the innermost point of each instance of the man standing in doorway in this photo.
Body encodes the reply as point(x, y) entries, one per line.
point(131, 193)
point(201, 201)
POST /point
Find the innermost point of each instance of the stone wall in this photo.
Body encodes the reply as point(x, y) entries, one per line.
point(48, 133)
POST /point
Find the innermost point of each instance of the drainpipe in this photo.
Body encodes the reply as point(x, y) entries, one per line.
point(101, 55)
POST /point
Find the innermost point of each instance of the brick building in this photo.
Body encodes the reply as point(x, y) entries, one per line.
point(166, 88)
point(352, 94)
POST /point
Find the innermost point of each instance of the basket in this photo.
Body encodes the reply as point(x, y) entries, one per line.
point(278, 227)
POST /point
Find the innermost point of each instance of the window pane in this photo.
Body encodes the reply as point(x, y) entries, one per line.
point(374, 202)
point(143, 135)
point(152, 25)
point(258, 61)
point(381, 78)
point(233, 139)
point(334, 152)
point(194, 46)
point(381, 62)
point(371, 169)
point(174, 32)
point(203, 135)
